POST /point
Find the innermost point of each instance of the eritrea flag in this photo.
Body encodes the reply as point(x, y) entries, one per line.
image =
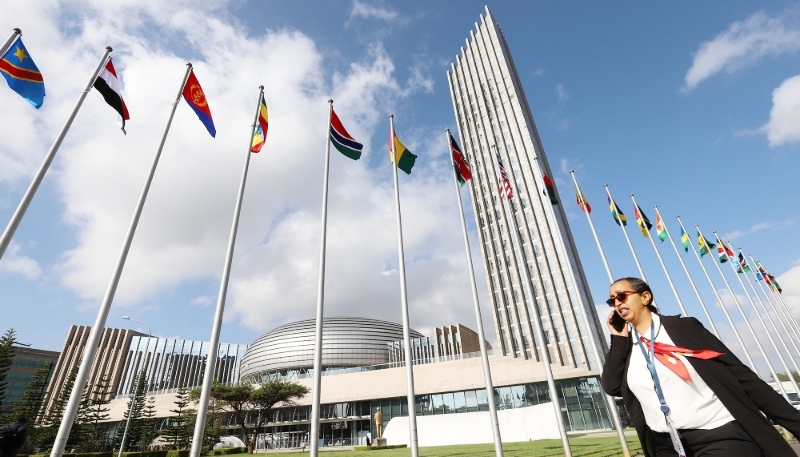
point(459, 163)
point(196, 98)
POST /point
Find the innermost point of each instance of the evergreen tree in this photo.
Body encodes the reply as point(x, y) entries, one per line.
point(147, 424)
point(135, 408)
point(177, 431)
point(95, 436)
point(214, 420)
point(29, 406)
point(6, 360)
point(51, 422)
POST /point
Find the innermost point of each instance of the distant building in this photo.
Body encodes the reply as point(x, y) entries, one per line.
point(26, 363)
point(451, 342)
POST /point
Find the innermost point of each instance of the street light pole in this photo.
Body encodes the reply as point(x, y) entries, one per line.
point(136, 389)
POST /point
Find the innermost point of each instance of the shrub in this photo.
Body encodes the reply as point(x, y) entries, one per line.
point(378, 448)
point(174, 453)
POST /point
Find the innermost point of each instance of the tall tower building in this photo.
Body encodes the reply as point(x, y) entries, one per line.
point(494, 118)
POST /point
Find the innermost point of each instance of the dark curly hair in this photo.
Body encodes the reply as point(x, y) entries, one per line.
point(640, 286)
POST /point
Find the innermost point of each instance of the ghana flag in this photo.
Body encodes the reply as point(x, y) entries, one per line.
point(405, 159)
point(342, 140)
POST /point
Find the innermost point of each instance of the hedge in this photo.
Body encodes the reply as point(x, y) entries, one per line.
point(228, 451)
point(175, 453)
point(378, 448)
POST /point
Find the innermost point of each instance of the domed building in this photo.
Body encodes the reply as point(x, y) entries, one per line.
point(349, 344)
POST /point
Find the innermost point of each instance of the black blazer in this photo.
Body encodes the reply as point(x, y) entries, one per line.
point(738, 388)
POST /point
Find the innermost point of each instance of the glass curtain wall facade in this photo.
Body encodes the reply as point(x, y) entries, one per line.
point(170, 364)
point(493, 117)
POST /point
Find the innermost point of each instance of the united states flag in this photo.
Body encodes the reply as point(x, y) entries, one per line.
point(505, 184)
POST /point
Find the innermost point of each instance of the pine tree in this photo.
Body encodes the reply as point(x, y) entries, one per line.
point(51, 422)
point(178, 432)
point(135, 408)
point(6, 360)
point(147, 424)
point(29, 407)
point(95, 436)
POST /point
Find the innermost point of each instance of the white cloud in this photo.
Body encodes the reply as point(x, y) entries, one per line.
point(738, 233)
point(742, 44)
point(782, 126)
point(363, 10)
point(790, 284)
point(13, 262)
point(562, 94)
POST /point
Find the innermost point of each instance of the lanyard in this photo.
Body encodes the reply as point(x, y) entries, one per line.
point(651, 365)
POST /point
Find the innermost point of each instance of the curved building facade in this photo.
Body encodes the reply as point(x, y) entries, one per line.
point(347, 342)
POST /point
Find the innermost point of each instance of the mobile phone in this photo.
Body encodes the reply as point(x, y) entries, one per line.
point(618, 322)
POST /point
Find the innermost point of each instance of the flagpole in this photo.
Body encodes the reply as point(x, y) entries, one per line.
point(317, 387)
point(5, 239)
point(721, 303)
point(213, 347)
point(16, 33)
point(760, 319)
point(660, 260)
point(686, 270)
point(779, 299)
point(594, 233)
point(744, 317)
point(611, 404)
point(93, 342)
point(775, 328)
point(412, 413)
point(538, 327)
point(498, 443)
point(782, 315)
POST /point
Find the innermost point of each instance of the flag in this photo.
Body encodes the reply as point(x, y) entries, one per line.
point(579, 197)
point(342, 140)
point(505, 184)
point(724, 252)
point(405, 159)
point(643, 221)
point(762, 274)
point(775, 283)
point(705, 245)
point(685, 240)
point(260, 135)
point(619, 216)
point(107, 84)
point(661, 229)
point(22, 75)
point(550, 189)
point(460, 164)
point(743, 266)
point(196, 98)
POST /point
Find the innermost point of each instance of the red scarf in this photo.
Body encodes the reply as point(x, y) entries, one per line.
point(666, 354)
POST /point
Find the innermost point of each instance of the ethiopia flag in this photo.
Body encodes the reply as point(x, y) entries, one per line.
point(22, 75)
point(459, 163)
point(685, 240)
point(342, 140)
point(405, 159)
point(196, 98)
point(661, 229)
point(644, 223)
point(581, 199)
point(260, 135)
point(705, 245)
point(550, 189)
point(616, 213)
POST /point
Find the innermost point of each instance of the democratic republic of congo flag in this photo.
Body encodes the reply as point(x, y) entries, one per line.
point(22, 74)
point(196, 98)
point(260, 135)
point(405, 159)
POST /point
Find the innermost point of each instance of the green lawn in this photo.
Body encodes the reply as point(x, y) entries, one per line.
point(581, 447)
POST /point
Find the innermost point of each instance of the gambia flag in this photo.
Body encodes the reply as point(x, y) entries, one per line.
point(616, 213)
point(405, 159)
point(459, 163)
point(685, 240)
point(644, 223)
point(549, 189)
point(705, 245)
point(661, 229)
point(342, 140)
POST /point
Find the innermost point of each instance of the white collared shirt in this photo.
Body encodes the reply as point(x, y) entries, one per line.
point(692, 404)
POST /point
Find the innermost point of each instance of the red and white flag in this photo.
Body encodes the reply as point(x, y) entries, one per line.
point(505, 184)
point(108, 86)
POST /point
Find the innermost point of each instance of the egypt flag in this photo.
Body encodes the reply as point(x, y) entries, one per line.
point(459, 163)
point(108, 86)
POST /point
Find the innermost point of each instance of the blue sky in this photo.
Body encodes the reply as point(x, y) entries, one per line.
point(689, 106)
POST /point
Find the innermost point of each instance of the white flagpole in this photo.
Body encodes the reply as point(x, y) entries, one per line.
point(779, 299)
point(775, 329)
point(487, 374)
point(401, 266)
point(760, 319)
point(316, 390)
point(538, 327)
point(783, 317)
point(93, 342)
point(661, 261)
point(594, 233)
point(721, 303)
point(611, 404)
point(5, 239)
point(16, 33)
point(213, 347)
point(744, 317)
point(686, 270)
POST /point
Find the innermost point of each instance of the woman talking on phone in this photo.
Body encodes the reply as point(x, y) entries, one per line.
point(686, 393)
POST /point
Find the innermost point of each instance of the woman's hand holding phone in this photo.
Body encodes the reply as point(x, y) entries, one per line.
point(616, 324)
